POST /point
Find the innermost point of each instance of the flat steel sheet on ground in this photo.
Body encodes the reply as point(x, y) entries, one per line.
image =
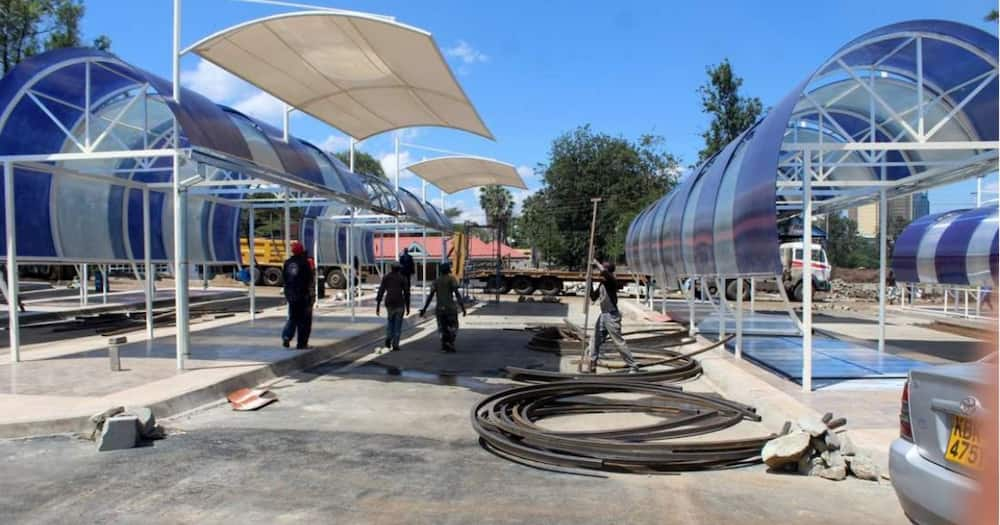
point(754, 323)
point(832, 359)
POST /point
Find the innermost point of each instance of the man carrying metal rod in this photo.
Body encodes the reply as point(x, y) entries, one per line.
point(609, 322)
point(449, 300)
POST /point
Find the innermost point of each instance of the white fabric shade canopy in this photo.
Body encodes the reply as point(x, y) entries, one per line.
point(360, 73)
point(453, 174)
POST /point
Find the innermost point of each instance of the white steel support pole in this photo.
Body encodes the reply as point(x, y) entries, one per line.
point(753, 294)
point(14, 330)
point(883, 219)
point(180, 210)
point(396, 181)
point(284, 122)
point(85, 284)
point(315, 249)
point(739, 318)
point(350, 265)
point(252, 256)
point(423, 260)
point(204, 276)
point(181, 273)
point(286, 221)
point(720, 285)
point(147, 259)
point(691, 285)
point(807, 274)
point(350, 156)
point(104, 284)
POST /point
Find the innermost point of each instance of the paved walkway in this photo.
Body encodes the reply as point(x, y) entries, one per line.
point(58, 385)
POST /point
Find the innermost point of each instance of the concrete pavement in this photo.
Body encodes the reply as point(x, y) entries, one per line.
point(385, 438)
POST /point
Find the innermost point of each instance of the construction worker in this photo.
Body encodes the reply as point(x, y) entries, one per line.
point(298, 276)
point(397, 304)
point(609, 322)
point(449, 300)
point(407, 267)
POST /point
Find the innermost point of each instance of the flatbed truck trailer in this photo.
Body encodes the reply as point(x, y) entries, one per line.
point(549, 282)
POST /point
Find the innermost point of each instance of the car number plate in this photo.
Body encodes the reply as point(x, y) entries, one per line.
point(964, 446)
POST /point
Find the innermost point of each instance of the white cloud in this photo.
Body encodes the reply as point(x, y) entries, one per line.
point(388, 162)
point(335, 143)
point(224, 88)
point(472, 213)
point(519, 196)
point(214, 82)
point(261, 105)
point(466, 53)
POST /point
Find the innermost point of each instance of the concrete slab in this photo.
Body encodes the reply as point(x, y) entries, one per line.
point(55, 390)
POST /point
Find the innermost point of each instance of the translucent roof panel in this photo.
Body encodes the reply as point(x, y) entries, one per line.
point(360, 73)
point(722, 219)
point(453, 174)
point(958, 247)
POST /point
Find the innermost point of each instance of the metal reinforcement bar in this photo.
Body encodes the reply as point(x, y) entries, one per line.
point(678, 367)
point(507, 425)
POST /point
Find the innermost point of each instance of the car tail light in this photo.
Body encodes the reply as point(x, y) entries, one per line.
point(905, 430)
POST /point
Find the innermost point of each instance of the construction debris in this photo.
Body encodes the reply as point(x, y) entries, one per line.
point(507, 424)
point(820, 447)
point(122, 427)
point(246, 399)
point(118, 433)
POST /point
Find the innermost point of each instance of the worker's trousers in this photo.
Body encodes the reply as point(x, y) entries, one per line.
point(609, 325)
point(299, 323)
point(394, 326)
point(447, 322)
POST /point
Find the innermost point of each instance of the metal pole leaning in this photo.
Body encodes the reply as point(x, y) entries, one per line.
point(147, 257)
point(585, 358)
point(10, 222)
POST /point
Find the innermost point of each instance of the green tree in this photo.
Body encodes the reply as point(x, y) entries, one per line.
point(847, 249)
point(583, 164)
point(992, 16)
point(731, 112)
point(28, 27)
point(363, 163)
point(453, 212)
point(498, 206)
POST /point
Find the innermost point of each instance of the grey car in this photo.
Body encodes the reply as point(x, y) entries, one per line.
point(940, 448)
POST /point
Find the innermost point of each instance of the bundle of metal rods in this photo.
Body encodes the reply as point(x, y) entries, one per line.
point(671, 367)
point(508, 425)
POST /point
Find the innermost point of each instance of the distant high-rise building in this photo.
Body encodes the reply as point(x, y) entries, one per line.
point(921, 205)
point(906, 208)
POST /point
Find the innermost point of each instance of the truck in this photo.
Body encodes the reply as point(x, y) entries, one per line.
point(270, 259)
point(791, 274)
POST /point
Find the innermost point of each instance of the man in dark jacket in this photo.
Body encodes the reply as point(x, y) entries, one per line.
point(298, 276)
point(449, 300)
point(609, 322)
point(397, 301)
point(407, 266)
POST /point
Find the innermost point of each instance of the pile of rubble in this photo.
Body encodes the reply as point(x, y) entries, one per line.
point(119, 428)
point(840, 289)
point(819, 447)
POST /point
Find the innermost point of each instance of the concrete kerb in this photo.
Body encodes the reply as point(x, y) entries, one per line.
point(215, 393)
point(775, 407)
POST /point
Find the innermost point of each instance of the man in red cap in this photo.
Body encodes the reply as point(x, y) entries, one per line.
point(298, 275)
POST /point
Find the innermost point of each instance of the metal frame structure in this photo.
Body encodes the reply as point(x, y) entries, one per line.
point(901, 109)
point(167, 151)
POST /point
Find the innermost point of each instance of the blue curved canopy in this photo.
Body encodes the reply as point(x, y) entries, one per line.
point(44, 104)
point(956, 247)
point(721, 219)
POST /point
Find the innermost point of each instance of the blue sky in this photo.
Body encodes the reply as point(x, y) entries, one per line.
point(537, 69)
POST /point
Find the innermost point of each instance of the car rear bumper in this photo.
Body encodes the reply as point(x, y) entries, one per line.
point(928, 492)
